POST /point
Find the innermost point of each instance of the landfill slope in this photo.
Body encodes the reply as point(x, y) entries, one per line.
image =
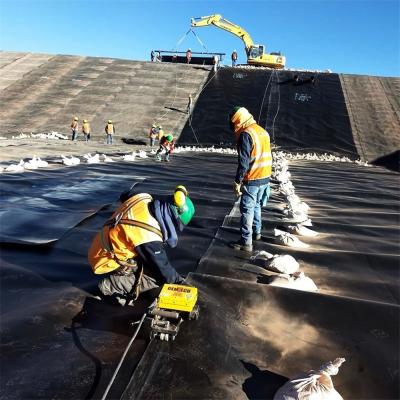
point(47, 94)
point(374, 110)
point(353, 115)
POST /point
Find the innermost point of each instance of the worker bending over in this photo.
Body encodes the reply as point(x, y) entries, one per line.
point(252, 175)
point(130, 246)
point(167, 145)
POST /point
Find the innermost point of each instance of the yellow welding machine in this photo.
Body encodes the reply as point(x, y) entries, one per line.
point(177, 297)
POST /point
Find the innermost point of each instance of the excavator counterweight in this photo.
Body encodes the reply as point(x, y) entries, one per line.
point(256, 54)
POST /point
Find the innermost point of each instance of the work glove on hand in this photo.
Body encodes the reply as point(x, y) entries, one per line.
point(236, 188)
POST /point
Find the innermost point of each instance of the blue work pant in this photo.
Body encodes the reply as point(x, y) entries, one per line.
point(253, 198)
point(74, 134)
point(109, 138)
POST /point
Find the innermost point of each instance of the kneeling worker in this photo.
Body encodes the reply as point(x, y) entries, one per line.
point(167, 145)
point(130, 246)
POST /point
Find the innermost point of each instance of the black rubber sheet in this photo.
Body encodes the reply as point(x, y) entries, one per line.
point(58, 341)
point(49, 317)
point(304, 115)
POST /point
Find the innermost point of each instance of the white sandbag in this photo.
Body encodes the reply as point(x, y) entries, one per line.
point(302, 230)
point(287, 239)
point(297, 281)
point(284, 264)
point(314, 385)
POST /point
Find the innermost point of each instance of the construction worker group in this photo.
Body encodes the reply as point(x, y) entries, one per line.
point(129, 249)
point(109, 130)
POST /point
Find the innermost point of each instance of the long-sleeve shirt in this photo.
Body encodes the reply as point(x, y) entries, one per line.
point(156, 263)
point(244, 148)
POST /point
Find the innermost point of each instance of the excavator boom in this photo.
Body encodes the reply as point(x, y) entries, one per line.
point(223, 23)
point(255, 53)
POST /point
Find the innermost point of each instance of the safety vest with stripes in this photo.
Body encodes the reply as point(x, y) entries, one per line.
point(130, 226)
point(261, 157)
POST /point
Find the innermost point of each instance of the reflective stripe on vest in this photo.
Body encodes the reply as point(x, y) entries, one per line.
point(261, 157)
point(110, 129)
point(130, 226)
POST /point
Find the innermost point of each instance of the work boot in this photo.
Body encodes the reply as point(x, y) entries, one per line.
point(242, 247)
point(257, 236)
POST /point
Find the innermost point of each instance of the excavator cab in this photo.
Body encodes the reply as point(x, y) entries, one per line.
point(256, 56)
point(256, 51)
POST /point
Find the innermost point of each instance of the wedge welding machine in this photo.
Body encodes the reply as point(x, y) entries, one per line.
point(174, 304)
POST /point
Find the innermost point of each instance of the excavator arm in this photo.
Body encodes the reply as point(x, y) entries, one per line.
point(223, 23)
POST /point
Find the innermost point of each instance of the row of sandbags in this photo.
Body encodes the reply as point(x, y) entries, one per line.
point(37, 162)
point(298, 222)
point(315, 384)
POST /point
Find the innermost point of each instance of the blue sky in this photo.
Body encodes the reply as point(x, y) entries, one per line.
point(358, 37)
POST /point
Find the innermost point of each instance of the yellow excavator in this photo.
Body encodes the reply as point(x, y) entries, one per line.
point(255, 52)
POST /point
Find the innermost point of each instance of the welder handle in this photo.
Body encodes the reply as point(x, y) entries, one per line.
point(165, 313)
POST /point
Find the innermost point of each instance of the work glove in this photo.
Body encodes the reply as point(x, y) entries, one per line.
point(236, 188)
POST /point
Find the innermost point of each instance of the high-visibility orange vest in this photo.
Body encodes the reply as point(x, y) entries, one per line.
point(130, 226)
point(110, 129)
point(261, 157)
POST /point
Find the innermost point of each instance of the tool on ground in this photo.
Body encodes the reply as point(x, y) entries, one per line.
point(174, 304)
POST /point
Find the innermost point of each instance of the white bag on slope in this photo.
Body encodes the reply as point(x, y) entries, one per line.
point(314, 385)
point(284, 264)
point(297, 281)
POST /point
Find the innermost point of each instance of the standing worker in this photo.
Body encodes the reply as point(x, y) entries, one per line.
point(188, 55)
point(234, 57)
point(152, 55)
point(252, 175)
point(160, 132)
point(86, 130)
point(167, 145)
point(215, 62)
point(130, 246)
point(110, 130)
point(74, 129)
point(153, 134)
point(189, 105)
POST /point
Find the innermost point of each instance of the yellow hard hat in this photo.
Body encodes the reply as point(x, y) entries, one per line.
point(76, 119)
point(85, 120)
point(109, 121)
point(160, 126)
point(154, 125)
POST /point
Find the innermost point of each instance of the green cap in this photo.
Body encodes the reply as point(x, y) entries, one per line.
point(186, 212)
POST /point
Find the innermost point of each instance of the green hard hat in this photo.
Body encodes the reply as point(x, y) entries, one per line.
point(169, 138)
point(186, 212)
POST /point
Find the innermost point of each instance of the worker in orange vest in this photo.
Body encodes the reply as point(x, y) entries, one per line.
point(252, 175)
point(110, 130)
point(74, 129)
point(129, 251)
point(86, 130)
